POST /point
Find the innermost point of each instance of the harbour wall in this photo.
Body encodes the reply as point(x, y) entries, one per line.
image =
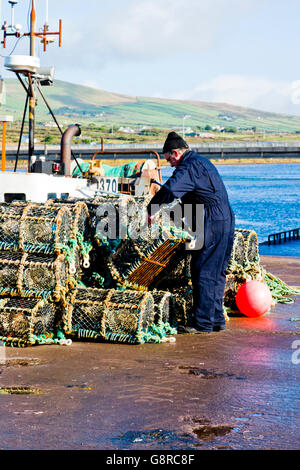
point(258, 151)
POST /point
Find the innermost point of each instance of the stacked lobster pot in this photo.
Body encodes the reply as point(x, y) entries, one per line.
point(27, 321)
point(113, 315)
point(109, 218)
point(79, 244)
point(39, 262)
point(244, 265)
point(135, 254)
point(95, 270)
point(138, 263)
point(176, 279)
point(109, 314)
point(125, 263)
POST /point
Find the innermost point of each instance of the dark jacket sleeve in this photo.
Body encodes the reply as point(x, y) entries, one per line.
point(177, 186)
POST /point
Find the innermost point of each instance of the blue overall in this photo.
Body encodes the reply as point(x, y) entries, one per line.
point(197, 181)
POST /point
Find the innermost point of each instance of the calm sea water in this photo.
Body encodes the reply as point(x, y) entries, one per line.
point(264, 198)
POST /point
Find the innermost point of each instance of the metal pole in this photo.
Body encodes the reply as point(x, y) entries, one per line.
point(21, 133)
point(46, 19)
point(3, 147)
point(31, 121)
point(32, 98)
point(32, 29)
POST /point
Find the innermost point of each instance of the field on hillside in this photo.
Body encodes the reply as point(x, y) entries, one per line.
point(75, 103)
point(93, 134)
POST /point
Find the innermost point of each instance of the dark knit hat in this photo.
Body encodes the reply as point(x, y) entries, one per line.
point(174, 141)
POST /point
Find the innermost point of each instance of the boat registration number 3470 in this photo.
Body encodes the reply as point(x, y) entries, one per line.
point(108, 184)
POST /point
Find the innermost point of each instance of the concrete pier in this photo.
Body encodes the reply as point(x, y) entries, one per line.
point(237, 389)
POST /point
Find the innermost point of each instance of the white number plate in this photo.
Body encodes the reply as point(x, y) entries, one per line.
point(108, 184)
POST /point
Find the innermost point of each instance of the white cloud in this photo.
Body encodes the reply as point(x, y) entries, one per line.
point(130, 38)
point(141, 29)
point(155, 28)
point(253, 92)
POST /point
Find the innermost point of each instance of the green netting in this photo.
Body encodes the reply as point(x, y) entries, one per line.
point(84, 167)
point(129, 170)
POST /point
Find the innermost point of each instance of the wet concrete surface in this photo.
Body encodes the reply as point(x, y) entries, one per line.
point(235, 389)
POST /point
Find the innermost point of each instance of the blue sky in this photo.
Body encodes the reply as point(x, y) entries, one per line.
point(243, 52)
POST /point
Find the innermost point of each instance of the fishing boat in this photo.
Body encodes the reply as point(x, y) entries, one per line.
point(67, 177)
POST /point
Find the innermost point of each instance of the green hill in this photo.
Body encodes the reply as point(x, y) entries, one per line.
point(75, 103)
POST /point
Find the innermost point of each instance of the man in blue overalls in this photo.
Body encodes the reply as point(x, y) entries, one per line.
point(196, 180)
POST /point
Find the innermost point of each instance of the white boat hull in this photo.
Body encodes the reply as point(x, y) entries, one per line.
point(39, 187)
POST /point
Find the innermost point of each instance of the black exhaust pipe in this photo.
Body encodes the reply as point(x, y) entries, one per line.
point(65, 147)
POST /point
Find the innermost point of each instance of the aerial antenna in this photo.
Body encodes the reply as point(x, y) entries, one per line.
point(13, 3)
point(27, 65)
point(46, 19)
point(43, 35)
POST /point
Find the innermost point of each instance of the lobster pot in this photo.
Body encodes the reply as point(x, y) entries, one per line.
point(137, 263)
point(128, 316)
point(233, 281)
point(80, 229)
point(183, 304)
point(163, 307)
point(10, 215)
point(23, 321)
point(251, 245)
point(231, 288)
point(178, 272)
point(33, 275)
point(108, 314)
point(79, 214)
point(113, 217)
point(238, 253)
point(34, 228)
point(81, 220)
point(84, 314)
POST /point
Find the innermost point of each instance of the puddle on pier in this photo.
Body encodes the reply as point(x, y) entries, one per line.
point(20, 362)
point(16, 390)
point(201, 431)
point(159, 437)
point(208, 374)
point(209, 432)
point(204, 430)
point(80, 387)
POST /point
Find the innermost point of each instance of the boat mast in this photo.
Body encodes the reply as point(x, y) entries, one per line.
point(14, 30)
point(32, 29)
point(32, 96)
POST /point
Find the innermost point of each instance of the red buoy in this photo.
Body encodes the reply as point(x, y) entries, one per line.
point(254, 299)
